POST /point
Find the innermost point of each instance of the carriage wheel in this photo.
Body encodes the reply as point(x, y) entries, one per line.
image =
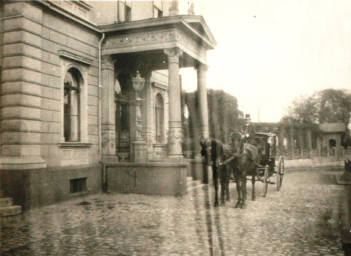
point(265, 181)
point(280, 173)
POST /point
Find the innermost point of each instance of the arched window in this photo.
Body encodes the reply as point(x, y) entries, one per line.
point(332, 143)
point(72, 83)
point(159, 118)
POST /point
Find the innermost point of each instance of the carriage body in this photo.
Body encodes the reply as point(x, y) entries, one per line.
point(269, 161)
point(267, 149)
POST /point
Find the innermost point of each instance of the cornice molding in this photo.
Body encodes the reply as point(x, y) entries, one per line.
point(75, 57)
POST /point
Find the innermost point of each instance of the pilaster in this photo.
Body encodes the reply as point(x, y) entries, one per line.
point(21, 84)
point(108, 125)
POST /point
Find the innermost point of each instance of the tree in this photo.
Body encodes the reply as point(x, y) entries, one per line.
point(223, 116)
point(335, 106)
point(304, 110)
point(327, 106)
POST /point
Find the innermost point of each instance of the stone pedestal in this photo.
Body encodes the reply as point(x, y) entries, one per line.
point(147, 178)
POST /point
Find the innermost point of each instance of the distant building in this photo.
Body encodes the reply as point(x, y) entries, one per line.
point(331, 134)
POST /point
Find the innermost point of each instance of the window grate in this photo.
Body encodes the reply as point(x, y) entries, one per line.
point(78, 185)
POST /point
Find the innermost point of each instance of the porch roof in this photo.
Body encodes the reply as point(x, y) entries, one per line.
point(190, 33)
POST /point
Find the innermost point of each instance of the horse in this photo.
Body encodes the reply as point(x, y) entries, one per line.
point(243, 162)
point(215, 153)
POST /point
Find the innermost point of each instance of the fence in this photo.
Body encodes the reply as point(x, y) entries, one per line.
point(338, 152)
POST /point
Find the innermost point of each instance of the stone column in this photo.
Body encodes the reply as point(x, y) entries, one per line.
point(21, 87)
point(301, 141)
point(108, 126)
point(174, 92)
point(281, 134)
point(291, 140)
point(202, 98)
point(148, 116)
point(309, 140)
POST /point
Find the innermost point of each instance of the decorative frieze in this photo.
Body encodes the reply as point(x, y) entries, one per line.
point(151, 40)
point(142, 38)
point(190, 43)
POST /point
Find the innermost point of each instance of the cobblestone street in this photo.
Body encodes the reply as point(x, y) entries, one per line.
point(302, 219)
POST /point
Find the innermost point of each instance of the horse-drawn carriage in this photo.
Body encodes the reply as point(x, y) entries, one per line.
point(269, 165)
point(253, 156)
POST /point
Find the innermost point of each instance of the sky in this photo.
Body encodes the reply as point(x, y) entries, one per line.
point(271, 51)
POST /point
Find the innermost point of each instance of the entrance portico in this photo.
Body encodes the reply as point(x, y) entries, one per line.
point(137, 49)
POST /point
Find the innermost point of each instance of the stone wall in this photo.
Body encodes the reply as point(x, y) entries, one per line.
point(147, 178)
point(39, 46)
point(60, 35)
point(37, 187)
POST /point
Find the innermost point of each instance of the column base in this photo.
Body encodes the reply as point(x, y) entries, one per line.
point(110, 159)
point(140, 151)
point(176, 158)
point(200, 170)
point(22, 162)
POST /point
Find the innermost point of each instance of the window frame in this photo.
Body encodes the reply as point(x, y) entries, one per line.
point(82, 72)
point(69, 88)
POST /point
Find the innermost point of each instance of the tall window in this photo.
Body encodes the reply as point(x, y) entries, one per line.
point(159, 119)
point(124, 11)
point(157, 12)
point(72, 105)
point(128, 13)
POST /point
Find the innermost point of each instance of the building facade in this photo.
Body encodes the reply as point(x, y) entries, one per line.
point(90, 96)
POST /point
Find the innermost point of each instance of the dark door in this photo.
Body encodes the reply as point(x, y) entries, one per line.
point(122, 128)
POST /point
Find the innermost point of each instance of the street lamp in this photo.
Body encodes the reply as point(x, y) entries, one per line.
point(138, 82)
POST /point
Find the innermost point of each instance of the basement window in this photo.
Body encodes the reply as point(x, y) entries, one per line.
point(78, 185)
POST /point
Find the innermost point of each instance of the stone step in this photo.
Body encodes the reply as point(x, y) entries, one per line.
point(1, 193)
point(6, 201)
point(10, 210)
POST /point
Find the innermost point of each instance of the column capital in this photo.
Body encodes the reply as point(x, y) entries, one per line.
point(173, 53)
point(201, 67)
point(108, 62)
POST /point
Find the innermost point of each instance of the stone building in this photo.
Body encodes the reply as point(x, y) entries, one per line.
point(90, 96)
point(331, 134)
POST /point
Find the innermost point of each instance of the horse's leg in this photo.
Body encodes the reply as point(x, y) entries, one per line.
point(227, 181)
point(253, 185)
point(222, 191)
point(238, 187)
point(215, 182)
point(243, 188)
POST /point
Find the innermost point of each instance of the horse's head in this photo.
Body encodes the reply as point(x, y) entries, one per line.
point(206, 150)
point(237, 140)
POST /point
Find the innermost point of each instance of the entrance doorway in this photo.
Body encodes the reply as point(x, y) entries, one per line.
point(122, 117)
